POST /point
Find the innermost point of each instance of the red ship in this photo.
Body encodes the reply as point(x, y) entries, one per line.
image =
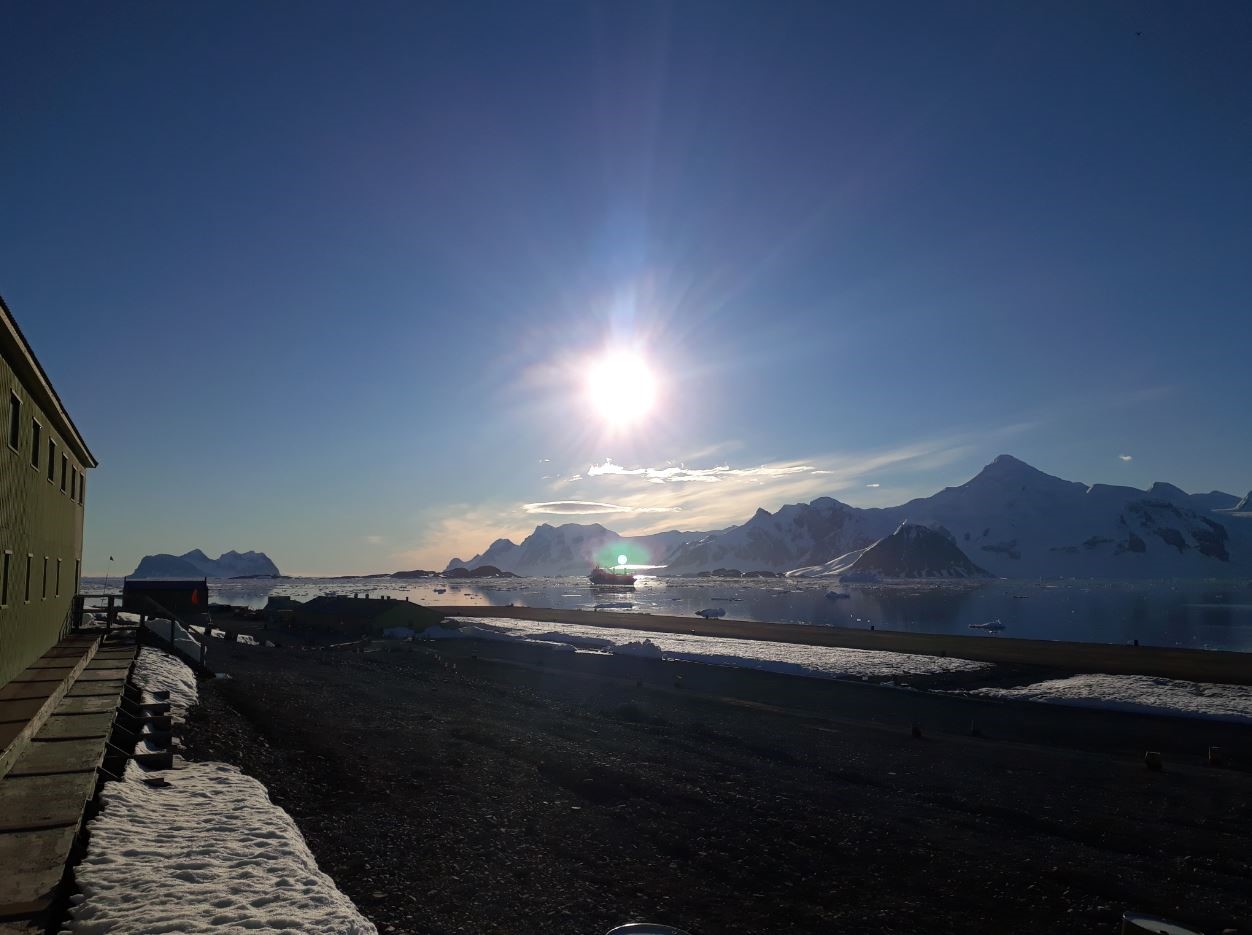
point(604, 576)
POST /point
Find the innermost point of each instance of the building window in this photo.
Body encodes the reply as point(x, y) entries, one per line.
point(58, 581)
point(78, 568)
point(52, 461)
point(4, 582)
point(82, 487)
point(15, 420)
point(35, 431)
point(74, 484)
point(44, 595)
point(65, 470)
point(30, 562)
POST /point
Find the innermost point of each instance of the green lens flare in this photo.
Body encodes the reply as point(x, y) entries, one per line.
point(617, 554)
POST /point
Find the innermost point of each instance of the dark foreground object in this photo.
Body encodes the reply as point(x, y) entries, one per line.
point(490, 788)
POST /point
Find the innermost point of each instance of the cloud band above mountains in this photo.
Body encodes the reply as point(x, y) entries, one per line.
point(584, 507)
point(669, 475)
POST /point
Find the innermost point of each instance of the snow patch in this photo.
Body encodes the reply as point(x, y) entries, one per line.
point(208, 853)
point(181, 638)
point(1139, 693)
point(464, 633)
point(788, 658)
point(643, 648)
point(159, 671)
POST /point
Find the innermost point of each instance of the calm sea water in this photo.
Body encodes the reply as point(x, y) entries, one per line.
point(1206, 615)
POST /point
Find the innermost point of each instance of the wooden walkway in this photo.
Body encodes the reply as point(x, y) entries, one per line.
point(55, 721)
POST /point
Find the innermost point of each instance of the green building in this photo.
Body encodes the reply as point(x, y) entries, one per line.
point(43, 464)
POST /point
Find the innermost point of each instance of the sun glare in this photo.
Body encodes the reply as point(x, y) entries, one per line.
point(621, 387)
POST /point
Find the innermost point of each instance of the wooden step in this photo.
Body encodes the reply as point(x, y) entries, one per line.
point(34, 863)
point(28, 700)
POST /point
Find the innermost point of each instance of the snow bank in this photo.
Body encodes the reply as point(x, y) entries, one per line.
point(583, 642)
point(159, 671)
point(182, 639)
point(208, 853)
point(788, 658)
point(1140, 693)
point(645, 649)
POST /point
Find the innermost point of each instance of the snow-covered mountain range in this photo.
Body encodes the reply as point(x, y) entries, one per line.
point(1015, 521)
point(195, 564)
point(1011, 519)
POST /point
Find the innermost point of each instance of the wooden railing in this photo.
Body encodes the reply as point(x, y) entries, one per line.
point(154, 611)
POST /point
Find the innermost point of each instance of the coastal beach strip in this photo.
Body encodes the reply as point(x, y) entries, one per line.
point(1164, 662)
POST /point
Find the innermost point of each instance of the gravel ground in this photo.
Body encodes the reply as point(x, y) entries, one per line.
point(484, 788)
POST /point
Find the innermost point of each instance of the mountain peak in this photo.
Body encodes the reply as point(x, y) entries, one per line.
point(916, 551)
point(1008, 470)
point(1007, 463)
point(586, 527)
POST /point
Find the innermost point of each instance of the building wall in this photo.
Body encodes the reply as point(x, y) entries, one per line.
point(39, 520)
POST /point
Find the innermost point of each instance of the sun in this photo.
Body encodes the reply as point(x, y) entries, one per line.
point(621, 387)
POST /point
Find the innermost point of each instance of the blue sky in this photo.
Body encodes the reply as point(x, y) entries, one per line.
point(324, 279)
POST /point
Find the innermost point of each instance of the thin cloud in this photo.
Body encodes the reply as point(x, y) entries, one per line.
point(581, 507)
point(373, 540)
point(670, 475)
point(1126, 457)
point(873, 485)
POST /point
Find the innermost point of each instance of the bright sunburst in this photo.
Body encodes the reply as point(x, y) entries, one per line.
point(621, 387)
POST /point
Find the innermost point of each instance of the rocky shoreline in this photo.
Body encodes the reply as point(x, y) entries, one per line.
point(484, 787)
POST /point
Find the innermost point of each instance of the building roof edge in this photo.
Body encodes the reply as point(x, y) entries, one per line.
point(37, 381)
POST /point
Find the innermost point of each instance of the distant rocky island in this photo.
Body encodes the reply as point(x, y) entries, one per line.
point(480, 571)
point(195, 564)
